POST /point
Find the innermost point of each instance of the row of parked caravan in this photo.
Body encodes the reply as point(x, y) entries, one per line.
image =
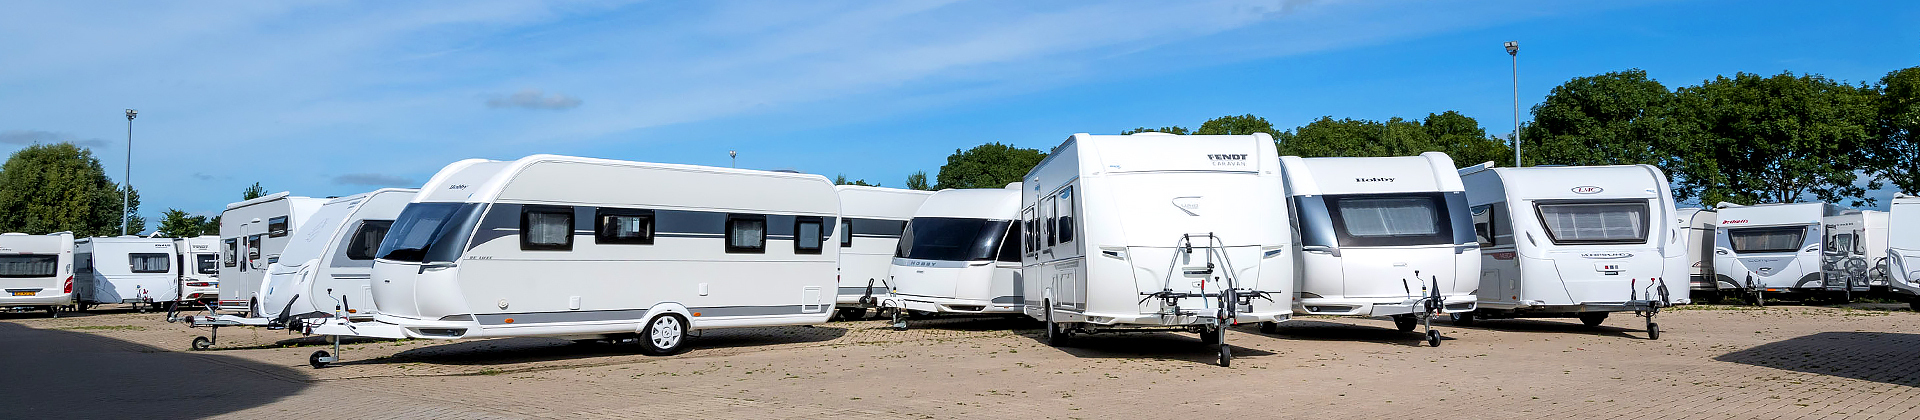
point(56, 272)
point(1806, 251)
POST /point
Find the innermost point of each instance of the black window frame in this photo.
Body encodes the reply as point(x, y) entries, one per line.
point(728, 229)
point(230, 255)
point(1492, 232)
point(526, 240)
point(52, 262)
point(1646, 221)
point(602, 236)
point(818, 247)
point(1442, 221)
point(846, 234)
point(357, 243)
point(1797, 247)
point(1009, 251)
point(166, 261)
point(1065, 220)
point(277, 226)
point(196, 263)
point(253, 248)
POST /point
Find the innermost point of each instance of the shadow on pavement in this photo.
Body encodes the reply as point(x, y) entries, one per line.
point(70, 375)
point(1156, 345)
point(1551, 325)
point(1306, 329)
point(973, 323)
point(1870, 356)
point(536, 349)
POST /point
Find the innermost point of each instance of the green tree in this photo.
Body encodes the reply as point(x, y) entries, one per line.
point(842, 180)
point(1172, 129)
point(175, 223)
point(991, 165)
point(1236, 125)
point(211, 226)
point(1462, 138)
point(1616, 118)
point(47, 188)
point(918, 181)
point(135, 222)
point(253, 192)
point(1897, 152)
point(1757, 139)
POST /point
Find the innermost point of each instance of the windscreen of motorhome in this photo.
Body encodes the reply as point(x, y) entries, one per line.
point(20, 266)
point(1595, 222)
point(1766, 239)
point(428, 232)
point(951, 239)
point(1390, 220)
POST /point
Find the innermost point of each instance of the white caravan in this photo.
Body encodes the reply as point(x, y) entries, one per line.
point(540, 246)
point(872, 220)
point(960, 256)
point(1575, 241)
point(1770, 248)
point(1382, 236)
point(199, 261)
point(36, 271)
point(252, 234)
point(126, 269)
point(1903, 249)
point(1156, 231)
point(1699, 224)
point(1854, 252)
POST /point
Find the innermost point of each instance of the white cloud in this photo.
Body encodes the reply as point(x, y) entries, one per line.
point(27, 137)
point(533, 99)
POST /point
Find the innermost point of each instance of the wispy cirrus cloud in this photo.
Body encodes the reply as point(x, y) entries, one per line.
point(533, 99)
point(375, 180)
point(26, 137)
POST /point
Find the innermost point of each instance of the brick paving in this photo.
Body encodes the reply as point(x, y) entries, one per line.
point(1710, 363)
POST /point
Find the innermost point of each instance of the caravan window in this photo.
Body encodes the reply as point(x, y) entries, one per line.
point(430, 232)
point(952, 239)
point(367, 239)
point(253, 249)
point(544, 228)
point(205, 264)
point(846, 232)
point(277, 227)
point(1595, 222)
point(232, 252)
point(1026, 230)
point(746, 233)
point(1485, 226)
point(1047, 206)
point(148, 262)
point(1066, 216)
point(1766, 239)
point(1390, 219)
point(623, 226)
point(19, 266)
point(1008, 251)
point(808, 237)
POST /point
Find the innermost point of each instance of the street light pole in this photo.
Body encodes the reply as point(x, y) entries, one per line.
point(736, 158)
point(1513, 50)
point(126, 182)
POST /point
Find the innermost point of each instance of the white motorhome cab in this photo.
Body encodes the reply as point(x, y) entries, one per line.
point(1771, 249)
point(1699, 225)
point(1903, 249)
point(1156, 231)
point(541, 246)
point(960, 256)
point(871, 220)
point(1854, 253)
point(36, 271)
point(199, 261)
point(1382, 236)
point(252, 234)
point(1575, 241)
point(126, 269)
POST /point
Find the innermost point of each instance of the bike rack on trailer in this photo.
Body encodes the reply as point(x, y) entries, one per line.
point(1649, 307)
point(1229, 300)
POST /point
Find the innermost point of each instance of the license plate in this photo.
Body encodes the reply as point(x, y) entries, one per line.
point(25, 293)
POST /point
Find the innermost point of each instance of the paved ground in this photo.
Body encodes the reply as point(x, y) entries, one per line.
point(1710, 363)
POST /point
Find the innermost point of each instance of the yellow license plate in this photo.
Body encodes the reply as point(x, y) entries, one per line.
point(25, 293)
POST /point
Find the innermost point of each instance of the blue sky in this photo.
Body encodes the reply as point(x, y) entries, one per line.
point(334, 98)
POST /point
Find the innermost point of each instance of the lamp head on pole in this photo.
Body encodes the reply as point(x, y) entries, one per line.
point(1513, 47)
point(131, 113)
point(733, 154)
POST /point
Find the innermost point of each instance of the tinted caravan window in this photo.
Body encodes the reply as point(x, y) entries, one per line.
point(1595, 222)
point(1483, 225)
point(429, 232)
point(1766, 239)
point(18, 266)
point(808, 235)
point(149, 263)
point(1390, 219)
point(546, 228)
point(206, 264)
point(846, 232)
point(231, 252)
point(277, 227)
point(746, 234)
point(952, 239)
point(367, 239)
point(623, 226)
point(253, 249)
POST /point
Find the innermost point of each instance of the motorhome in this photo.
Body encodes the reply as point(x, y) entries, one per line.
point(871, 221)
point(252, 234)
point(1903, 249)
point(1382, 236)
point(199, 261)
point(1854, 253)
point(1575, 241)
point(36, 271)
point(1771, 249)
point(126, 269)
point(534, 247)
point(1699, 224)
point(1156, 231)
point(960, 256)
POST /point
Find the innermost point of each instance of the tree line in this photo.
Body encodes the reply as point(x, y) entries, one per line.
point(1744, 139)
point(61, 187)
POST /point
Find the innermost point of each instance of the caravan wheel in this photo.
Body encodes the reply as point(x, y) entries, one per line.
point(1914, 305)
point(1057, 334)
point(318, 359)
point(1405, 322)
point(1211, 335)
point(1226, 352)
point(53, 311)
point(202, 343)
point(664, 335)
point(1593, 319)
point(1463, 319)
point(1653, 330)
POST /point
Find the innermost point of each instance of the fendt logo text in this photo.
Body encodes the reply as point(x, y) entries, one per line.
point(1234, 159)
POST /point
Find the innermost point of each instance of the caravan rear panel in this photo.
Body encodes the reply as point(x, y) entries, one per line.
point(36, 270)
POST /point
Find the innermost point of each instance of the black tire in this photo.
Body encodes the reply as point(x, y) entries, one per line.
point(1914, 305)
point(851, 314)
point(1057, 335)
point(1593, 319)
point(1463, 319)
point(1405, 322)
point(202, 343)
point(314, 359)
point(53, 311)
point(1226, 351)
point(663, 335)
point(1270, 327)
point(1653, 331)
point(1210, 336)
point(1433, 338)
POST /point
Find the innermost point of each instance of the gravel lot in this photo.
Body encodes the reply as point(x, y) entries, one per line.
point(1710, 362)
